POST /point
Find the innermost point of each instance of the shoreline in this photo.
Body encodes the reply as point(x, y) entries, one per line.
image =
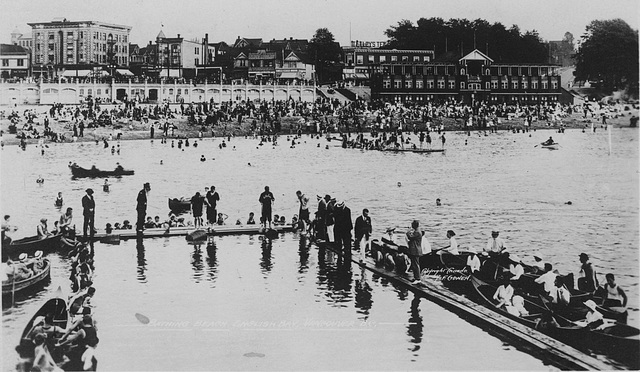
point(138, 130)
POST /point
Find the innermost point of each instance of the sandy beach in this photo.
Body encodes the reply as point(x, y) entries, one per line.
point(136, 130)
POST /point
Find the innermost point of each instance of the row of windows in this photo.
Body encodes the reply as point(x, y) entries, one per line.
point(96, 36)
point(441, 84)
point(382, 59)
point(428, 97)
point(5, 62)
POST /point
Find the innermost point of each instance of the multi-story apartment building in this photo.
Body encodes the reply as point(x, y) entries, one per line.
point(360, 63)
point(178, 57)
point(471, 78)
point(63, 45)
point(14, 61)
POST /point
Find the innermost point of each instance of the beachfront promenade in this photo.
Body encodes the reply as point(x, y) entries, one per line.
point(176, 91)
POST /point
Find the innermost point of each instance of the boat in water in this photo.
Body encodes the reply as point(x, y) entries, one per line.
point(93, 172)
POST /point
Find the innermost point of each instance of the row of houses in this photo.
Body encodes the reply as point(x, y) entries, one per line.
point(77, 49)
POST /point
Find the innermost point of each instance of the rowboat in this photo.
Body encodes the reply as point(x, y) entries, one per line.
point(57, 306)
point(10, 286)
point(30, 245)
point(553, 146)
point(179, 205)
point(412, 150)
point(79, 172)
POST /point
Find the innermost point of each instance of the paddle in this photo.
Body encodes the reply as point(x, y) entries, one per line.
point(439, 249)
point(13, 285)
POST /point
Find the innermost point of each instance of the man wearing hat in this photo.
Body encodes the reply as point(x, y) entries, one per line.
point(363, 230)
point(342, 228)
point(88, 211)
point(495, 245)
point(141, 206)
point(321, 217)
point(587, 280)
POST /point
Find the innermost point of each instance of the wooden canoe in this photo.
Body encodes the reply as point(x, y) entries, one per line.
point(30, 245)
point(79, 172)
point(186, 230)
point(10, 286)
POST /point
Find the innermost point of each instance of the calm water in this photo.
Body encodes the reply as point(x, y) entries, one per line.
point(246, 304)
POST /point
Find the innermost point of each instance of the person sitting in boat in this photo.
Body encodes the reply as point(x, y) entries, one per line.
point(156, 221)
point(515, 267)
point(547, 279)
point(517, 306)
point(105, 186)
point(221, 218)
point(389, 236)
point(594, 318)
point(180, 222)
point(173, 220)
point(276, 219)
point(20, 269)
point(504, 294)
point(473, 262)
point(251, 220)
point(119, 168)
point(149, 224)
point(283, 220)
point(64, 224)
point(117, 226)
point(42, 229)
point(108, 228)
point(42, 359)
point(126, 225)
point(80, 301)
point(560, 296)
point(495, 245)
point(587, 279)
point(548, 142)
point(59, 201)
point(613, 295)
point(453, 244)
point(86, 339)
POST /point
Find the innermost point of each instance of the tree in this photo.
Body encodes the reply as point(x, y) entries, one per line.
point(608, 54)
point(327, 55)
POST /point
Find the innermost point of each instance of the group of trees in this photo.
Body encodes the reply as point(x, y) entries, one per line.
point(505, 45)
point(608, 52)
point(608, 55)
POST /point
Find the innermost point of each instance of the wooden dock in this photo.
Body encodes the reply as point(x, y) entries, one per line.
point(184, 231)
point(557, 353)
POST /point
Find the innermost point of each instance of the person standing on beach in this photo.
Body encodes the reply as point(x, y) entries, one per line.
point(266, 199)
point(211, 199)
point(141, 207)
point(89, 212)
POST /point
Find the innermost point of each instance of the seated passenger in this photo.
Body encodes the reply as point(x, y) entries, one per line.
point(149, 224)
point(126, 225)
point(251, 221)
point(504, 294)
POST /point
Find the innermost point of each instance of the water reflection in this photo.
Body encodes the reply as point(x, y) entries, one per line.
point(363, 294)
point(142, 261)
point(212, 260)
point(196, 260)
point(303, 253)
point(265, 260)
point(335, 272)
point(415, 326)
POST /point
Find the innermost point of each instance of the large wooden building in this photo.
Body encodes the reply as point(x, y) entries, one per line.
point(471, 78)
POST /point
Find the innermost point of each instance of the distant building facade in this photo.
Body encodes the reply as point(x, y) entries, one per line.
point(360, 63)
point(472, 78)
point(62, 45)
point(14, 61)
point(18, 38)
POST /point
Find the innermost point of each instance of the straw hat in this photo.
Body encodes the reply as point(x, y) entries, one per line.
point(38, 254)
point(590, 304)
point(22, 257)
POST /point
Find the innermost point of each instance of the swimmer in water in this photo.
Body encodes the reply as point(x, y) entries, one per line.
point(438, 202)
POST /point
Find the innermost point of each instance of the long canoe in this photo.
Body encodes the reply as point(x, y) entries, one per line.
point(413, 150)
point(30, 245)
point(553, 146)
point(10, 286)
point(179, 205)
point(79, 172)
point(57, 306)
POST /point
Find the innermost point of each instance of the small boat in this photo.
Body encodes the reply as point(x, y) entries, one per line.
point(412, 150)
point(486, 291)
point(179, 205)
point(79, 172)
point(553, 146)
point(11, 286)
point(57, 306)
point(30, 245)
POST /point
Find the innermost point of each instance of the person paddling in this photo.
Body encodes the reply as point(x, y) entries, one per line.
point(548, 142)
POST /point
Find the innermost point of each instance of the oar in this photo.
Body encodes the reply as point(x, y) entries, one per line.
point(13, 285)
point(439, 249)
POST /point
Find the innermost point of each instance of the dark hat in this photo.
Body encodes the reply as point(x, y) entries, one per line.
point(89, 191)
point(327, 197)
point(584, 255)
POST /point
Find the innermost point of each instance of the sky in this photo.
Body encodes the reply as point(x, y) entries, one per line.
point(364, 20)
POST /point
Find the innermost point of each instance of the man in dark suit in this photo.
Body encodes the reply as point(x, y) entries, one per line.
point(342, 228)
point(363, 230)
point(141, 207)
point(88, 211)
